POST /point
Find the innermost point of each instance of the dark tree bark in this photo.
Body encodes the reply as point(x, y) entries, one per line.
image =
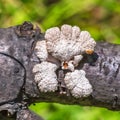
point(18, 89)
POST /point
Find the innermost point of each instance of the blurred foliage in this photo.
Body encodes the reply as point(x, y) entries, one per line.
point(100, 18)
point(67, 112)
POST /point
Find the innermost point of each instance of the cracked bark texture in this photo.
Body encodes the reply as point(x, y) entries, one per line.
point(18, 89)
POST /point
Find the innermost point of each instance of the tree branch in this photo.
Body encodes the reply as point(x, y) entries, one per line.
point(17, 59)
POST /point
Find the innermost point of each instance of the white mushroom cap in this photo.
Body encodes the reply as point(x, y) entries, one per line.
point(63, 47)
point(68, 42)
point(41, 50)
point(45, 76)
point(77, 59)
point(78, 84)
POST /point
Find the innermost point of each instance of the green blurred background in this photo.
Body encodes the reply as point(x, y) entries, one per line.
point(100, 18)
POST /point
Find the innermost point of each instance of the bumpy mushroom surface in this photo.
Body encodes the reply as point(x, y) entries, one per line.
point(78, 84)
point(68, 42)
point(63, 47)
point(41, 50)
point(45, 76)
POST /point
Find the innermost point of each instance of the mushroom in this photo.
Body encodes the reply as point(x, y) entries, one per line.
point(45, 76)
point(78, 84)
point(63, 48)
point(68, 43)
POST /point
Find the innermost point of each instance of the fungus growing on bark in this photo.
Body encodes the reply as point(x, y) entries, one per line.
point(45, 76)
point(63, 48)
point(41, 50)
point(68, 43)
point(78, 84)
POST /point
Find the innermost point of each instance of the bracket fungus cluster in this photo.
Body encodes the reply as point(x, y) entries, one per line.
point(63, 49)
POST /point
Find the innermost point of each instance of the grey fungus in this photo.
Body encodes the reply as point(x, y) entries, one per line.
point(45, 76)
point(41, 50)
point(78, 84)
point(63, 47)
point(68, 42)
